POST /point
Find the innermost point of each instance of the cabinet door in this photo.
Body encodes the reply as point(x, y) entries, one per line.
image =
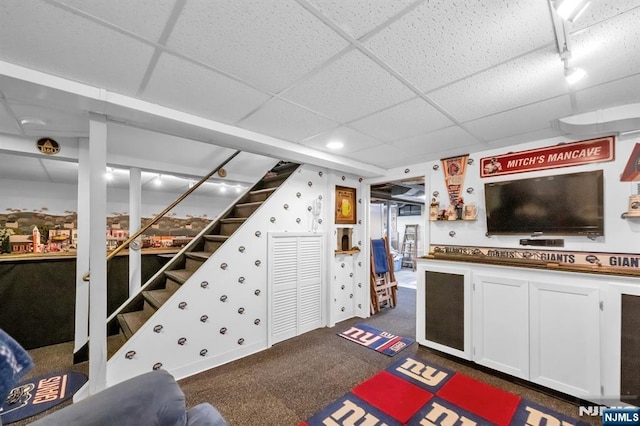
point(295, 285)
point(443, 316)
point(501, 324)
point(565, 337)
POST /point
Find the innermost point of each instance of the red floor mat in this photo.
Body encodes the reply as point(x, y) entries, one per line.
point(396, 397)
point(480, 398)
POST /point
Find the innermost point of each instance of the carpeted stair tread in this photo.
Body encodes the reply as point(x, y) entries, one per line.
point(262, 191)
point(132, 321)
point(233, 220)
point(156, 298)
point(179, 275)
point(199, 255)
point(250, 204)
point(221, 238)
point(114, 343)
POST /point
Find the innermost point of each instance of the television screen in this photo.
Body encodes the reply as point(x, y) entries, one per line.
point(570, 204)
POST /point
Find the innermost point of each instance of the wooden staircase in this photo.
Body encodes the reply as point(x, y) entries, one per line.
point(177, 271)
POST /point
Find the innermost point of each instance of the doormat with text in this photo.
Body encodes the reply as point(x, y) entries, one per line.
point(37, 394)
point(412, 391)
point(378, 340)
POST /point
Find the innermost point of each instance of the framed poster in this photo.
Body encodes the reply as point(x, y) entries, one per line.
point(345, 205)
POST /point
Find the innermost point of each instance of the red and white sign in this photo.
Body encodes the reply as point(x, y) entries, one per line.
point(562, 155)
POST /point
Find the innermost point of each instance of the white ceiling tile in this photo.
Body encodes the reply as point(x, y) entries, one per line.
point(49, 39)
point(511, 142)
point(525, 119)
point(375, 154)
point(619, 92)
point(352, 140)
point(525, 80)
point(200, 91)
point(358, 17)
point(349, 88)
point(40, 169)
point(431, 143)
point(271, 44)
point(442, 41)
point(284, 120)
point(58, 121)
point(599, 11)
point(146, 18)
point(8, 123)
point(147, 150)
point(607, 52)
point(403, 120)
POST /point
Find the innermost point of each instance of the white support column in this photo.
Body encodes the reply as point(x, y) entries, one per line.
point(135, 252)
point(98, 254)
point(82, 248)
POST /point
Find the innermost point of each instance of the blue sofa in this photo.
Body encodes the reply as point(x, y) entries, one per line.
point(153, 398)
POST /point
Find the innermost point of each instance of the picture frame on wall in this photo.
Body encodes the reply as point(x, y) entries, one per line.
point(345, 205)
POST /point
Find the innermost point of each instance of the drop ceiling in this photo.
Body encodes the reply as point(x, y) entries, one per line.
point(398, 82)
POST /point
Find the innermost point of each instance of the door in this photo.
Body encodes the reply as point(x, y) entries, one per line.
point(296, 293)
point(501, 324)
point(565, 337)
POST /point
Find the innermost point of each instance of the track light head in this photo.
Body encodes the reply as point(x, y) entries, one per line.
point(573, 75)
point(570, 10)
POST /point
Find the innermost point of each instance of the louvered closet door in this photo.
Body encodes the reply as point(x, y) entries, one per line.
point(295, 285)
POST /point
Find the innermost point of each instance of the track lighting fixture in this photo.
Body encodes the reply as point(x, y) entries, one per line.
point(570, 10)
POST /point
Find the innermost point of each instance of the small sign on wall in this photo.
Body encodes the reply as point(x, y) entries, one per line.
point(47, 146)
point(562, 155)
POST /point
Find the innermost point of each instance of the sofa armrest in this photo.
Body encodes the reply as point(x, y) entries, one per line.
point(205, 415)
point(153, 398)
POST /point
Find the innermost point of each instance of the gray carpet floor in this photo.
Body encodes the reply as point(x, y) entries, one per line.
point(294, 379)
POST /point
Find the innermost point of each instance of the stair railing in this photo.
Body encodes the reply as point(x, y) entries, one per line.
point(86, 277)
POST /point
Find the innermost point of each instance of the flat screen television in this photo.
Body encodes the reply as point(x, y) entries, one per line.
point(569, 204)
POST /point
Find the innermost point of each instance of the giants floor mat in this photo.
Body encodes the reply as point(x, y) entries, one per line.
point(38, 394)
point(412, 391)
point(378, 340)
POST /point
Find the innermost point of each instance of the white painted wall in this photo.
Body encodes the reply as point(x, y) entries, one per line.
point(621, 235)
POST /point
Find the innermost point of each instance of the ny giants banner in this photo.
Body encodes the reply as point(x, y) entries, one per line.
point(622, 261)
point(562, 155)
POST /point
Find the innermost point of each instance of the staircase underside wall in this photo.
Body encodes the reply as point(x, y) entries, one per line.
point(220, 313)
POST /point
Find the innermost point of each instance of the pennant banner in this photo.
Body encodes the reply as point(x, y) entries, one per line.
point(632, 169)
point(454, 169)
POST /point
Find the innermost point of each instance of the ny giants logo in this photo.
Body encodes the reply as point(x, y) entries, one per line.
point(351, 414)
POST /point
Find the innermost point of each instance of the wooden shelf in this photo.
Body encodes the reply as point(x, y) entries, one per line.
point(349, 252)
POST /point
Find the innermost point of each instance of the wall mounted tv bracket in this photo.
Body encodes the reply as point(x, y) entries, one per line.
point(556, 242)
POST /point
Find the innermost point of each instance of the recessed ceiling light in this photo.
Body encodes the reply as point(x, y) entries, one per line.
point(335, 145)
point(32, 121)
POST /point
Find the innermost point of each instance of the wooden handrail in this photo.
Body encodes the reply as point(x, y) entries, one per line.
point(139, 232)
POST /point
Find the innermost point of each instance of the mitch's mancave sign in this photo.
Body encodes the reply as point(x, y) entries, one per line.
point(562, 155)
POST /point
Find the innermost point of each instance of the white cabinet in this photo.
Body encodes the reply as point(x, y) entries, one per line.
point(565, 337)
point(548, 327)
point(501, 324)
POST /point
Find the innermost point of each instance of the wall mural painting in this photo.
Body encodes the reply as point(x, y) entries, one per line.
point(28, 232)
